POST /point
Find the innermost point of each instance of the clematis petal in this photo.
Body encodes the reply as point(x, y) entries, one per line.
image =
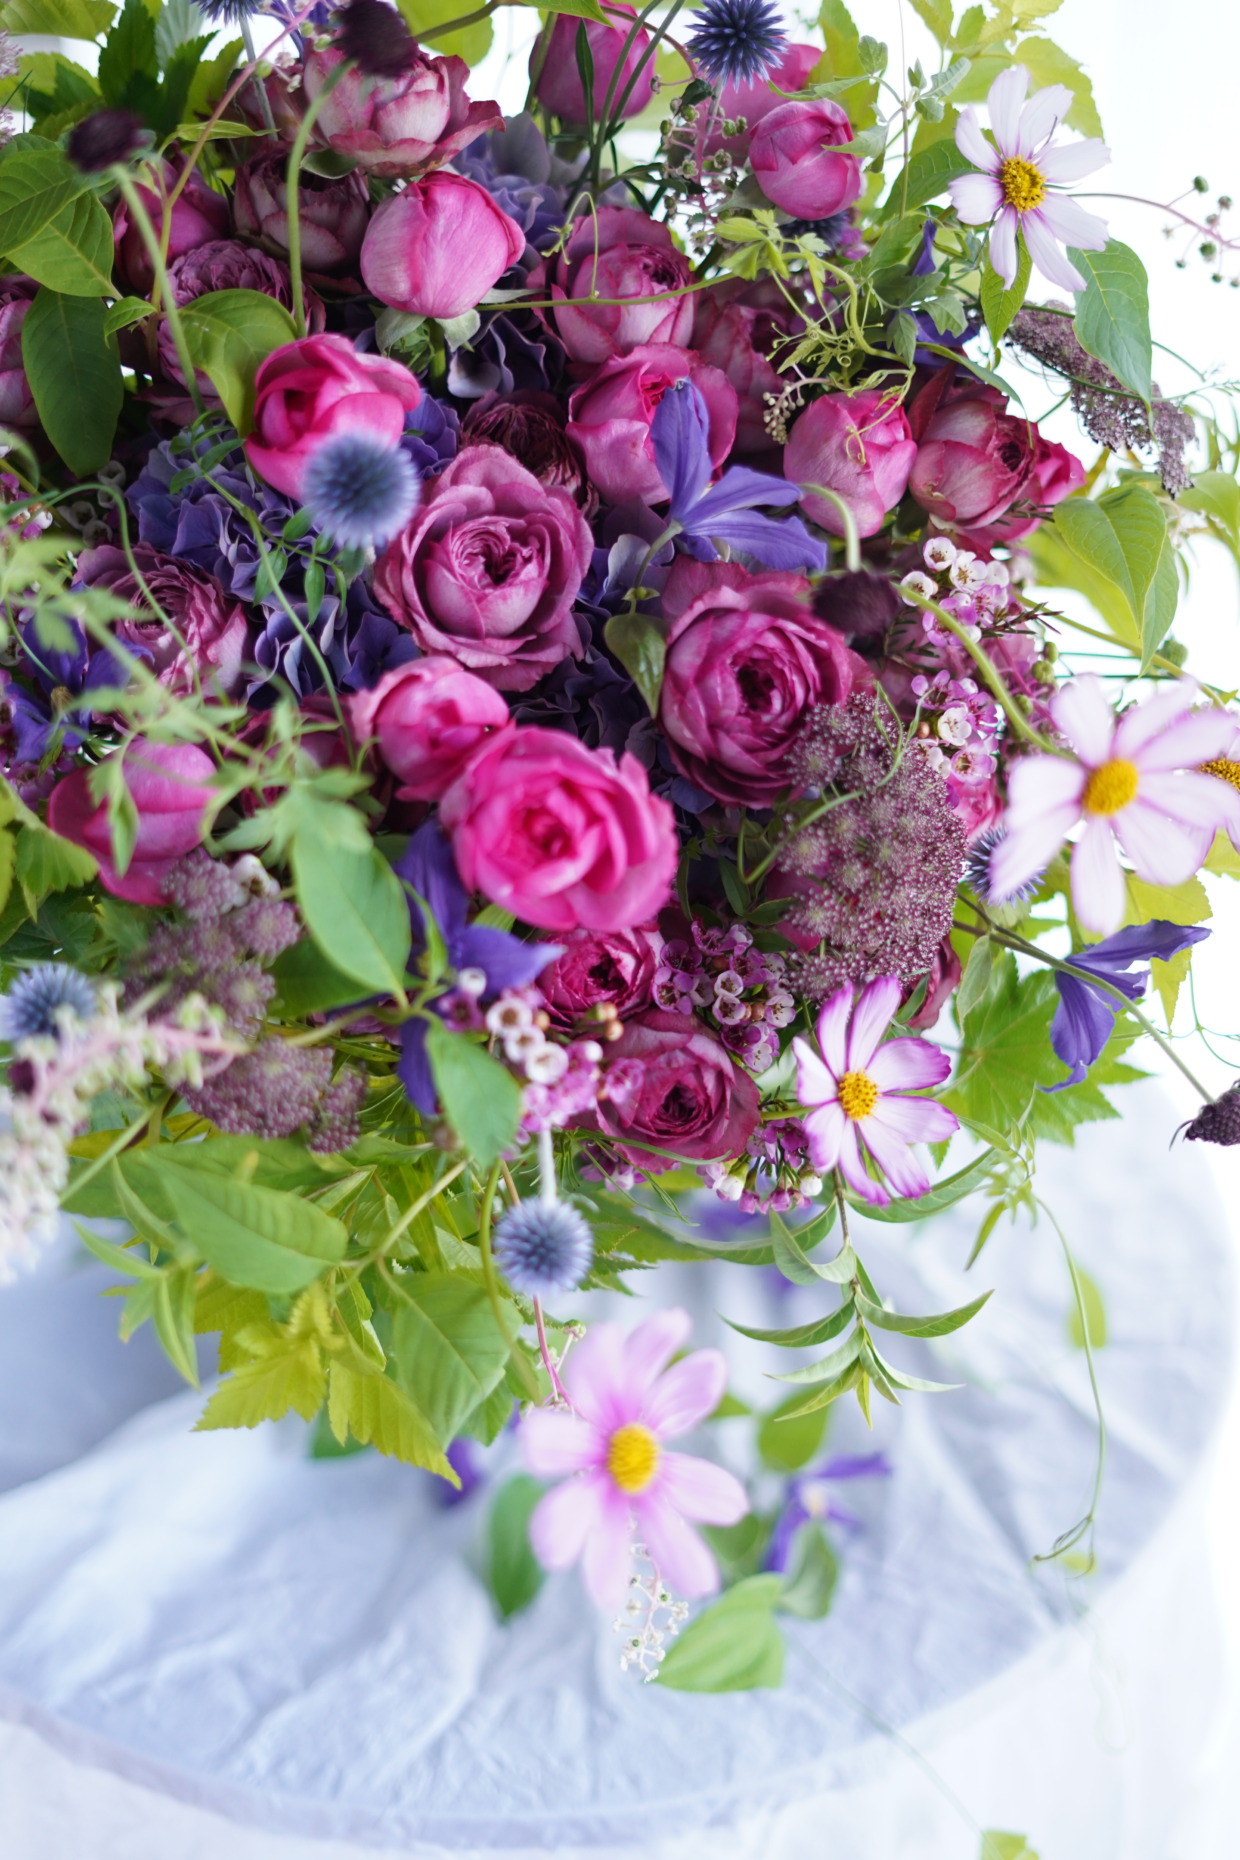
point(607, 1559)
point(908, 1065)
point(700, 1490)
point(872, 1016)
point(555, 1444)
point(681, 1557)
point(1083, 712)
point(1097, 879)
point(977, 198)
point(1074, 160)
point(826, 1127)
point(1164, 850)
point(832, 1029)
point(650, 1348)
point(1041, 117)
point(1047, 255)
point(1004, 253)
point(563, 1520)
point(1067, 219)
point(973, 144)
point(816, 1084)
point(901, 1165)
point(685, 1394)
point(1081, 1027)
point(1004, 101)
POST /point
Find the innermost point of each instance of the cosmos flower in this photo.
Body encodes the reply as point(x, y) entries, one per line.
point(857, 1093)
point(1133, 779)
point(1014, 192)
point(620, 1482)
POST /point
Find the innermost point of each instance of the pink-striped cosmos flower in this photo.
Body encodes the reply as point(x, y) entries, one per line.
point(1134, 780)
point(621, 1484)
point(1019, 171)
point(857, 1093)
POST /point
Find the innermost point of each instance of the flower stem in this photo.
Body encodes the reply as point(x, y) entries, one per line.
point(995, 685)
point(142, 220)
point(491, 1280)
point(292, 179)
point(852, 543)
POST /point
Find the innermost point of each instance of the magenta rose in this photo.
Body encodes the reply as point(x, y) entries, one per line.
point(333, 213)
point(671, 1085)
point(612, 968)
point(198, 216)
point(857, 445)
point(400, 125)
point(17, 406)
point(738, 327)
point(747, 659)
point(974, 459)
point(437, 247)
point(315, 389)
point(170, 786)
point(558, 83)
point(791, 154)
point(609, 418)
point(429, 718)
point(530, 425)
point(488, 569)
point(228, 265)
point(563, 836)
point(213, 627)
point(1056, 473)
point(617, 253)
point(756, 100)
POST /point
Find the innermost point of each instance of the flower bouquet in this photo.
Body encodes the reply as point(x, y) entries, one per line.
point(533, 683)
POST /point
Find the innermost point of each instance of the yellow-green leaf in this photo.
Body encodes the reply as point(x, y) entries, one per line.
point(263, 1390)
point(375, 1412)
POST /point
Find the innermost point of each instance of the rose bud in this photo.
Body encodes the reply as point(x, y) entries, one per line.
point(617, 253)
point(860, 447)
point(757, 99)
point(198, 215)
point(170, 787)
point(530, 425)
point(609, 418)
point(107, 139)
point(400, 125)
point(791, 164)
point(436, 248)
point(429, 718)
point(602, 968)
point(316, 389)
point(17, 406)
point(334, 213)
point(683, 1094)
point(206, 634)
point(375, 37)
point(563, 836)
point(557, 84)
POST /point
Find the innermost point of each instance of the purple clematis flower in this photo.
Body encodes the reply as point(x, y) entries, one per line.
point(725, 512)
point(428, 868)
point(63, 697)
point(811, 1500)
point(1086, 1014)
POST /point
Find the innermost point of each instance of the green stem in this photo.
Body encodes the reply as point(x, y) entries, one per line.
point(491, 1280)
point(1073, 1536)
point(142, 220)
point(459, 25)
point(852, 542)
point(292, 178)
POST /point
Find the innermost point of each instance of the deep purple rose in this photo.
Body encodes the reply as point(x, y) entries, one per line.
point(334, 213)
point(199, 214)
point(672, 1085)
point(602, 968)
point(530, 425)
point(488, 569)
point(16, 401)
point(227, 265)
point(213, 626)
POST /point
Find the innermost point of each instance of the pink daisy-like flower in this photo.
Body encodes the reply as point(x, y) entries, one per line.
point(621, 1484)
point(1019, 171)
point(857, 1093)
point(1135, 780)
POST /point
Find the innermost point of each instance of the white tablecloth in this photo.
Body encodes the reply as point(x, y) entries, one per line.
point(213, 1646)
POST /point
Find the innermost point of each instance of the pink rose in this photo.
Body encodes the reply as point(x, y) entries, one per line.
point(315, 389)
point(17, 406)
point(334, 213)
point(429, 717)
point(437, 247)
point(488, 569)
point(756, 100)
point(1056, 474)
point(214, 628)
point(617, 253)
point(562, 836)
point(738, 327)
point(170, 786)
point(792, 163)
point(400, 125)
point(746, 660)
point(199, 215)
point(860, 447)
point(609, 418)
point(558, 85)
point(974, 459)
point(612, 968)
point(671, 1085)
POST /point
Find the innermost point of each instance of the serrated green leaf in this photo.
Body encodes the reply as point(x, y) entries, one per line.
point(74, 371)
point(1113, 314)
point(926, 176)
point(268, 1387)
point(480, 1097)
point(228, 334)
point(69, 19)
point(514, 1574)
point(733, 1646)
point(262, 1238)
point(44, 862)
point(1048, 63)
point(378, 1414)
point(447, 1349)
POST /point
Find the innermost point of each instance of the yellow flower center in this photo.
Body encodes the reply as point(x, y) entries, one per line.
point(1225, 770)
point(858, 1095)
point(1024, 186)
point(1111, 787)
point(632, 1457)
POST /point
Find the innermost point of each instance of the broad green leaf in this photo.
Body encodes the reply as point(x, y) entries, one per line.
point(1113, 314)
point(8, 854)
point(944, 1194)
point(351, 899)
point(999, 302)
point(937, 15)
point(845, 57)
point(447, 1349)
point(125, 312)
point(271, 1162)
point(640, 647)
point(1223, 859)
point(267, 1387)
point(45, 862)
point(999, 1846)
point(940, 1326)
point(1095, 1313)
point(514, 1574)
point(979, 971)
point(1215, 494)
point(787, 1444)
point(74, 371)
point(812, 1573)
point(926, 177)
point(1005, 1050)
point(378, 1414)
point(1046, 64)
point(308, 982)
point(472, 43)
point(228, 334)
point(733, 1646)
point(35, 186)
point(480, 1097)
point(1120, 555)
point(69, 19)
point(262, 1238)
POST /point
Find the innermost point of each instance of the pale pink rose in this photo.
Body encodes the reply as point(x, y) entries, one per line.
point(402, 125)
point(617, 254)
point(860, 447)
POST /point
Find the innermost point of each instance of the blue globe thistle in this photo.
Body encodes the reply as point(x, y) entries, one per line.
point(359, 491)
point(737, 41)
point(230, 12)
point(30, 1008)
point(977, 868)
point(543, 1247)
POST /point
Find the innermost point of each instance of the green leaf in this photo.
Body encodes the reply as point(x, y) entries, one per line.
point(128, 49)
point(944, 1194)
point(1120, 555)
point(378, 1414)
point(804, 1336)
point(8, 855)
point(172, 1313)
point(480, 1098)
point(472, 43)
point(69, 19)
point(308, 982)
point(827, 1368)
point(268, 1387)
point(787, 1444)
point(1215, 494)
point(733, 1646)
point(937, 15)
point(262, 1238)
point(228, 334)
point(1005, 1047)
point(47, 863)
point(1095, 1313)
point(514, 1574)
point(999, 1846)
point(926, 176)
point(73, 252)
point(940, 1326)
point(812, 1573)
point(74, 371)
point(1113, 314)
point(447, 1348)
point(1188, 903)
point(1047, 63)
point(639, 645)
point(35, 186)
point(979, 972)
point(352, 901)
point(999, 302)
point(125, 312)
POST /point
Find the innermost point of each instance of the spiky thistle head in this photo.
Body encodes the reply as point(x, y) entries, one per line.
point(359, 491)
point(543, 1247)
point(737, 41)
point(39, 1001)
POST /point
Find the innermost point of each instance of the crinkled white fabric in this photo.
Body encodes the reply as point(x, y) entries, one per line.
point(211, 1645)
